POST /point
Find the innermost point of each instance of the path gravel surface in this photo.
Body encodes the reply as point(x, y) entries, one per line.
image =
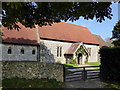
point(85, 84)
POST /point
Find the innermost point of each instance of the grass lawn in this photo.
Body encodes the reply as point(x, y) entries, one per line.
point(94, 64)
point(71, 65)
point(29, 83)
point(90, 63)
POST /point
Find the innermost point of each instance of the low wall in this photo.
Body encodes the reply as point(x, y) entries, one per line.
point(30, 70)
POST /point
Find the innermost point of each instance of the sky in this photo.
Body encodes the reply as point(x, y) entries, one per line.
point(103, 29)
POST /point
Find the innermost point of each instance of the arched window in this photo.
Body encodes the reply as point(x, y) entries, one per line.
point(33, 51)
point(22, 51)
point(9, 50)
point(57, 51)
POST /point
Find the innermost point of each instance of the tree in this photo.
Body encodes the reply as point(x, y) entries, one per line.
point(109, 42)
point(116, 34)
point(44, 13)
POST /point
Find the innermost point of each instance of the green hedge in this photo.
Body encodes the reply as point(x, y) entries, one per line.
point(110, 63)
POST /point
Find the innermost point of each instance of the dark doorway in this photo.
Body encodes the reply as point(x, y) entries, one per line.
point(68, 58)
point(79, 58)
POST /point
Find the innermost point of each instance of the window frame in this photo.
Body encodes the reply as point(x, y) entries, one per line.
point(34, 51)
point(59, 51)
point(89, 50)
point(22, 51)
point(9, 51)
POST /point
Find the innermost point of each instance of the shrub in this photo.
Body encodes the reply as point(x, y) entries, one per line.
point(73, 61)
point(110, 63)
point(58, 62)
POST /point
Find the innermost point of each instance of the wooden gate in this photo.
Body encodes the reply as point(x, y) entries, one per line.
point(82, 73)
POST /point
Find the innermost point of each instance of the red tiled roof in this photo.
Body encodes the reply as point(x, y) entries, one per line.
point(23, 36)
point(100, 40)
point(72, 48)
point(67, 32)
point(58, 31)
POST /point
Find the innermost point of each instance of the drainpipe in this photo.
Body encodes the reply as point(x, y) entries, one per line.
point(38, 41)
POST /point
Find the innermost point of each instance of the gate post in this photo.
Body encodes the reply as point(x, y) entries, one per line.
point(84, 74)
point(64, 73)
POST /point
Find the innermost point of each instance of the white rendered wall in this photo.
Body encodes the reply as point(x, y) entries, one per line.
point(16, 54)
point(49, 54)
point(94, 53)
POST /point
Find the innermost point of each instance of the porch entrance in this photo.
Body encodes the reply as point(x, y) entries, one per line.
point(79, 58)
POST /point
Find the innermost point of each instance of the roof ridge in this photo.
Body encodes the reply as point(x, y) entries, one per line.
point(74, 24)
point(96, 35)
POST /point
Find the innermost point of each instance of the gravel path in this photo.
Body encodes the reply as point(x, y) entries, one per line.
point(85, 84)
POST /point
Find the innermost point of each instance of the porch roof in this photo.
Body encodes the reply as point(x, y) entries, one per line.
point(73, 48)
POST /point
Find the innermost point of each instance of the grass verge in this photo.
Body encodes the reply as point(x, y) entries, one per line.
point(114, 85)
point(71, 65)
point(31, 83)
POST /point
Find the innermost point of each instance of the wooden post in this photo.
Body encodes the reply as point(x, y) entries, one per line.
point(64, 73)
point(84, 73)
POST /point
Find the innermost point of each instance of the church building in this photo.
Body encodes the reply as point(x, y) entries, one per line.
point(60, 43)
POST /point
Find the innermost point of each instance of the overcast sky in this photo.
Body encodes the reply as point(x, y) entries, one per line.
point(103, 29)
